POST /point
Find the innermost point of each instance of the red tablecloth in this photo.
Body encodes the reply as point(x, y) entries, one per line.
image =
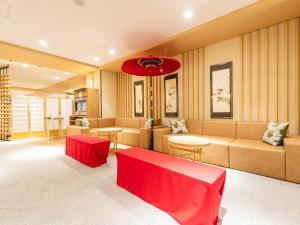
point(88, 150)
point(188, 191)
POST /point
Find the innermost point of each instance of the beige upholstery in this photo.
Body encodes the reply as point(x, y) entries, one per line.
point(194, 126)
point(251, 130)
point(93, 122)
point(217, 152)
point(77, 130)
point(145, 137)
point(106, 122)
point(133, 131)
point(257, 157)
point(219, 128)
point(128, 122)
point(292, 149)
point(158, 138)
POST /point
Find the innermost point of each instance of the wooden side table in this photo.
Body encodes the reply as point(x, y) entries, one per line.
point(112, 133)
point(191, 144)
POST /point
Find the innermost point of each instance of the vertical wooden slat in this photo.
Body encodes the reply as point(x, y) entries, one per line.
point(190, 85)
point(241, 77)
point(186, 85)
point(201, 83)
point(246, 77)
point(196, 84)
point(254, 76)
point(282, 72)
point(263, 75)
point(272, 75)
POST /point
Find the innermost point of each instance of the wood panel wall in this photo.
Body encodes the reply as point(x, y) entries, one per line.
point(270, 74)
point(124, 95)
point(266, 79)
point(156, 97)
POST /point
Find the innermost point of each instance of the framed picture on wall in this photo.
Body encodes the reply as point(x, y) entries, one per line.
point(221, 91)
point(139, 98)
point(171, 95)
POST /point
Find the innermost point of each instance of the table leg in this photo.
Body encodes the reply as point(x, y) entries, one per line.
point(116, 141)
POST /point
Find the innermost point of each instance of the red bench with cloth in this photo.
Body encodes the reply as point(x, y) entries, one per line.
point(89, 150)
point(188, 191)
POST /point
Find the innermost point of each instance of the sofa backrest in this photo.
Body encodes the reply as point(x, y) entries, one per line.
point(251, 130)
point(221, 128)
point(106, 122)
point(194, 126)
point(128, 122)
point(93, 122)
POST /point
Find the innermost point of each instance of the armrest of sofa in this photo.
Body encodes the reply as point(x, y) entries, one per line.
point(292, 151)
point(145, 138)
point(158, 137)
point(78, 130)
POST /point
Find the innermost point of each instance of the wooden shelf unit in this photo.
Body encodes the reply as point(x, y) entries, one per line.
point(5, 105)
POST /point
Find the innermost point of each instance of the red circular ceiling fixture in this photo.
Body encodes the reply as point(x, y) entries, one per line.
point(150, 65)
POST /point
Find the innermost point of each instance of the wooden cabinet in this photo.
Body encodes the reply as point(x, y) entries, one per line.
point(86, 103)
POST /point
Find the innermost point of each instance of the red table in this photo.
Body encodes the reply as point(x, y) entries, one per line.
point(89, 150)
point(188, 191)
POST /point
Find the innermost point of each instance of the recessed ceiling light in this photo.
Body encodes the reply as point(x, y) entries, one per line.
point(40, 86)
point(56, 78)
point(112, 51)
point(66, 73)
point(25, 65)
point(43, 43)
point(96, 59)
point(188, 14)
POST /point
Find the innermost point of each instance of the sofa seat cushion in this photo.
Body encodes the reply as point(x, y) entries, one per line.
point(131, 136)
point(217, 152)
point(257, 157)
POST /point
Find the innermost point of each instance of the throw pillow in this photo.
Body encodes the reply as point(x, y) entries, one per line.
point(178, 127)
point(275, 133)
point(84, 122)
point(149, 123)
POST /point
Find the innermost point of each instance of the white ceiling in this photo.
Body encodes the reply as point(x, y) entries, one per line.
point(34, 77)
point(83, 32)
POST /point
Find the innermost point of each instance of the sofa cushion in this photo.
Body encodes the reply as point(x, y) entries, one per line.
point(194, 126)
point(106, 122)
point(93, 122)
point(217, 152)
point(131, 136)
point(178, 126)
point(220, 128)
point(128, 122)
point(275, 133)
point(257, 157)
point(251, 130)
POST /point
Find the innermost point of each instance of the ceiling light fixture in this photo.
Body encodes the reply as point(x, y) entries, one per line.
point(56, 78)
point(40, 86)
point(97, 59)
point(66, 73)
point(112, 51)
point(43, 43)
point(25, 65)
point(188, 14)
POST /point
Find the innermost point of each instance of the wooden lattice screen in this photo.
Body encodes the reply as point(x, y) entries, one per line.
point(5, 105)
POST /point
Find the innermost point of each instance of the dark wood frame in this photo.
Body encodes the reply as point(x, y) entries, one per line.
point(169, 77)
point(221, 115)
point(137, 83)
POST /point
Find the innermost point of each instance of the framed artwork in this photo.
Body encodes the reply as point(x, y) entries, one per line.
point(171, 95)
point(221, 91)
point(139, 98)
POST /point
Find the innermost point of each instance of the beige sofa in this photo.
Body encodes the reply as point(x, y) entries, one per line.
point(133, 131)
point(238, 145)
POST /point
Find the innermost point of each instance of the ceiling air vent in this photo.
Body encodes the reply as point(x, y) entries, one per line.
point(5, 9)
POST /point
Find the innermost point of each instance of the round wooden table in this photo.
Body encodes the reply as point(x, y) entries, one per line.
point(191, 144)
point(112, 133)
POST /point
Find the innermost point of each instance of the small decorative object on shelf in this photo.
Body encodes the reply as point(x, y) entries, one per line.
point(5, 105)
